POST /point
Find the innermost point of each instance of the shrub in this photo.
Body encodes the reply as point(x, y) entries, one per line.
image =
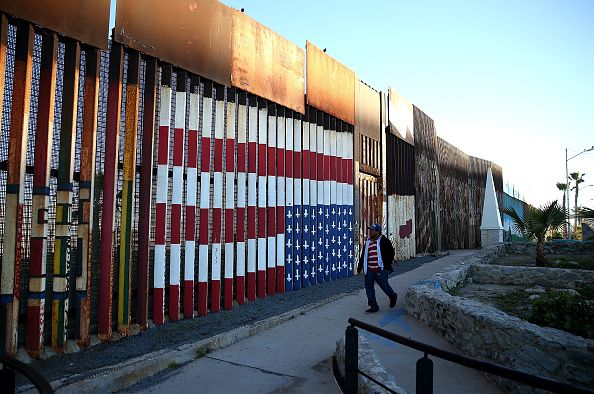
point(563, 311)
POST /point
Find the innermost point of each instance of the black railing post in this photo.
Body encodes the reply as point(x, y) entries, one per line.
point(8, 379)
point(351, 360)
point(424, 375)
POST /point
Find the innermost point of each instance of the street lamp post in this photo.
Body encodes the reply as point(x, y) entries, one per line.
point(567, 183)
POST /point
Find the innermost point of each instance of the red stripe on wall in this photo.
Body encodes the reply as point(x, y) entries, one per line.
point(205, 157)
point(175, 223)
point(203, 234)
point(190, 222)
point(192, 148)
point(163, 149)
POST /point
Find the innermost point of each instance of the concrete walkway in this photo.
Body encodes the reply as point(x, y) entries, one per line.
point(295, 357)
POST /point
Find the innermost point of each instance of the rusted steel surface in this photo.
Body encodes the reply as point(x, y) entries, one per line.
point(145, 193)
point(267, 64)
point(85, 21)
point(400, 116)
point(3, 45)
point(41, 191)
point(12, 258)
point(426, 184)
point(63, 242)
point(367, 109)
point(86, 193)
point(116, 65)
point(192, 34)
point(330, 85)
point(453, 188)
point(128, 177)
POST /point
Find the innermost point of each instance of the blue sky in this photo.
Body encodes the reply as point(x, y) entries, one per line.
point(508, 81)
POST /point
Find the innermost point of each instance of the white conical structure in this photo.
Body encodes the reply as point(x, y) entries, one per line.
point(491, 228)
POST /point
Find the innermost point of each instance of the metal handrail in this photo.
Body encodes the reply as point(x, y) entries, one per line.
point(425, 366)
point(10, 365)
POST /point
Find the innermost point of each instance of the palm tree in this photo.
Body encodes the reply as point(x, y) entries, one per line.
point(578, 178)
point(536, 222)
point(563, 187)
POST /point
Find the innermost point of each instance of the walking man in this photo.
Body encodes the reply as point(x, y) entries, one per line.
point(376, 260)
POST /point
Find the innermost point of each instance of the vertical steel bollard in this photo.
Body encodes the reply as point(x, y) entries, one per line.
point(351, 360)
point(424, 375)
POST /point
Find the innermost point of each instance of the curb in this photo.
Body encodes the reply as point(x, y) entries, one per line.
point(120, 376)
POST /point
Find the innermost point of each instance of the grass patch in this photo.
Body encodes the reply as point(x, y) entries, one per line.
point(173, 365)
point(201, 352)
point(587, 292)
point(515, 303)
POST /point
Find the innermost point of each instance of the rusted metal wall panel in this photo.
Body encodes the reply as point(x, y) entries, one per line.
point(453, 190)
point(368, 111)
point(400, 116)
point(330, 85)
point(85, 21)
point(426, 184)
point(192, 34)
point(267, 64)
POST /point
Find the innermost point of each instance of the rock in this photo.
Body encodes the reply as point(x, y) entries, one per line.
point(536, 290)
point(569, 291)
point(573, 263)
point(534, 297)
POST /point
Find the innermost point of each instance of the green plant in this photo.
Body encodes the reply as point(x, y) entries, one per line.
point(564, 311)
point(173, 365)
point(201, 352)
point(587, 292)
point(536, 222)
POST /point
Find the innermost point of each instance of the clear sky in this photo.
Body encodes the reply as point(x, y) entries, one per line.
point(509, 81)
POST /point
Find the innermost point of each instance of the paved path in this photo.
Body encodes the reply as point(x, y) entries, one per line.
point(294, 357)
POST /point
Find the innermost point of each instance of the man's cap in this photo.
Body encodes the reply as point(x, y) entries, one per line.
point(375, 227)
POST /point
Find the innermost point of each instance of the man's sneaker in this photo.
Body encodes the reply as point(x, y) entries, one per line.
point(393, 301)
point(373, 309)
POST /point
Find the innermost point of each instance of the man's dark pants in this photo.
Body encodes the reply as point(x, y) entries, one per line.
point(381, 278)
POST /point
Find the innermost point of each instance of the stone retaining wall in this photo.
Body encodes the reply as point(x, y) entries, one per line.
point(484, 332)
point(370, 364)
point(557, 247)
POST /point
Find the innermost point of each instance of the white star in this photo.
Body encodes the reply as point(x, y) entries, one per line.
point(289, 278)
point(297, 275)
point(305, 212)
point(305, 229)
point(289, 214)
point(297, 262)
point(289, 244)
point(289, 259)
point(297, 213)
point(313, 273)
point(305, 274)
point(297, 244)
point(289, 229)
point(333, 240)
point(333, 268)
